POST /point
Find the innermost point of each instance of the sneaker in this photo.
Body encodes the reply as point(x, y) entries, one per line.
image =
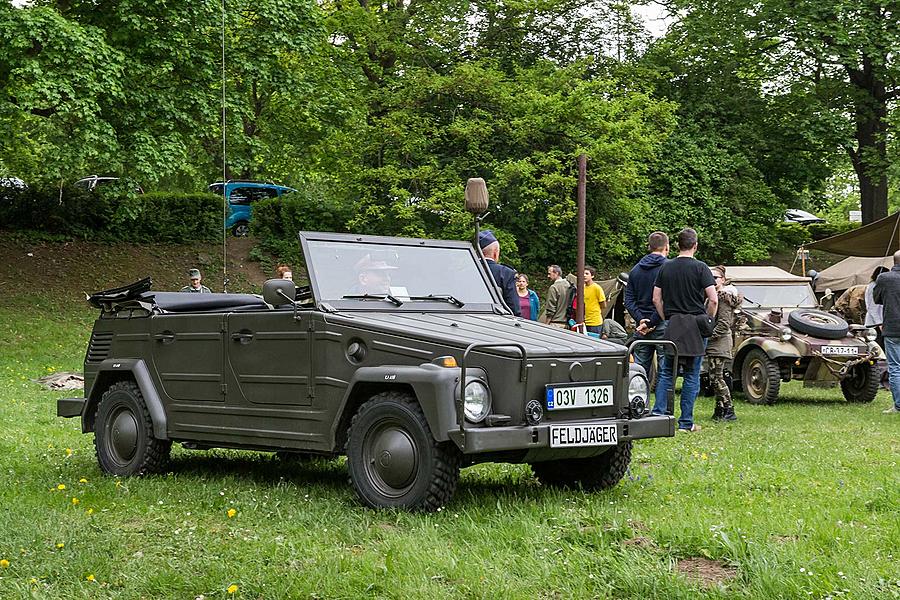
point(890, 411)
point(694, 428)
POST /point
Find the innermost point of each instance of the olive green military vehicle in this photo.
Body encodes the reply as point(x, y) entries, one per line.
point(787, 337)
point(400, 354)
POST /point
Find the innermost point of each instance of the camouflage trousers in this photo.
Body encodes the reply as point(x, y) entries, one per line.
point(717, 379)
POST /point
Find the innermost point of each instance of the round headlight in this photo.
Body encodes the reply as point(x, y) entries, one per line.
point(477, 401)
point(638, 391)
point(786, 335)
point(871, 335)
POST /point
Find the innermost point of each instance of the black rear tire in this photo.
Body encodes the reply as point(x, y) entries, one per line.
point(393, 458)
point(596, 473)
point(123, 433)
point(760, 378)
point(861, 385)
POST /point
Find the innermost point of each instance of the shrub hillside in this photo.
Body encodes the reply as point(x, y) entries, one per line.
point(277, 221)
point(113, 214)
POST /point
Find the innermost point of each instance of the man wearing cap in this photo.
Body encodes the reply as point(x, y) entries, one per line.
point(195, 287)
point(504, 277)
point(373, 276)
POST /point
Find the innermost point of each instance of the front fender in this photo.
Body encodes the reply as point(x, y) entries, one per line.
point(435, 388)
point(773, 348)
point(117, 369)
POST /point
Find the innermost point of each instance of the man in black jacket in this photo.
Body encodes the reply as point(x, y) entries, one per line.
point(504, 277)
point(887, 293)
point(639, 297)
point(682, 287)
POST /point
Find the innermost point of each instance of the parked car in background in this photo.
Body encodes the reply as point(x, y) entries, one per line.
point(12, 183)
point(92, 182)
point(801, 217)
point(241, 195)
point(788, 337)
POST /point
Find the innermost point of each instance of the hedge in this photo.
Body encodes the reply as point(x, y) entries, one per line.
point(111, 214)
point(277, 221)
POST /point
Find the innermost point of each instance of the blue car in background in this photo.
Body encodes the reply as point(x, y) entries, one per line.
point(241, 195)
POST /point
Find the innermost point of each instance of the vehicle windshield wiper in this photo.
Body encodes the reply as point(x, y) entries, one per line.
point(444, 297)
point(386, 297)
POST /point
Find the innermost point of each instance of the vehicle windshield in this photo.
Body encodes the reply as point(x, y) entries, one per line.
point(390, 273)
point(777, 295)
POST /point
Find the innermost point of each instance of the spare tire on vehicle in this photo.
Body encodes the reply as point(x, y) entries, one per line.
point(818, 323)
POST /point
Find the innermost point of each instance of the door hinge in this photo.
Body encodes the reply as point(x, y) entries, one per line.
point(224, 388)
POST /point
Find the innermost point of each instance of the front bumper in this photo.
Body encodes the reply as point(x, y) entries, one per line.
point(495, 439)
point(69, 407)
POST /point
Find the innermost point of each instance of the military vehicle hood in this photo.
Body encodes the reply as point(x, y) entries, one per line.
point(458, 331)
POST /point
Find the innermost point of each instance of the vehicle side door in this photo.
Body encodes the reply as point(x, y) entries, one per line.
point(268, 379)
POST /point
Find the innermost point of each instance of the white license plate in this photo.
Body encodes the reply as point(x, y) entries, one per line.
point(572, 436)
point(579, 396)
point(840, 350)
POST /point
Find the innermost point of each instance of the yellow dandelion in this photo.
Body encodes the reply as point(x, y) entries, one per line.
point(68, 452)
point(82, 480)
point(90, 511)
point(231, 512)
point(75, 500)
point(4, 563)
point(90, 578)
point(34, 581)
point(232, 589)
point(61, 487)
point(703, 456)
point(61, 545)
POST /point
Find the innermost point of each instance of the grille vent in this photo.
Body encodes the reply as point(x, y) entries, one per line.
point(98, 349)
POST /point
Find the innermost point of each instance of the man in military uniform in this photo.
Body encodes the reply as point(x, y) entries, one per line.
point(195, 287)
point(718, 349)
point(852, 304)
point(554, 312)
point(504, 277)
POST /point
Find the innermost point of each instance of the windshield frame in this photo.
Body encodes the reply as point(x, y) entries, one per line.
point(374, 305)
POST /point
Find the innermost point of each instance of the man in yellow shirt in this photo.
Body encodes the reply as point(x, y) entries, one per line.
point(594, 301)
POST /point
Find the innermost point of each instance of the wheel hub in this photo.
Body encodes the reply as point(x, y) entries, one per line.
point(123, 435)
point(393, 459)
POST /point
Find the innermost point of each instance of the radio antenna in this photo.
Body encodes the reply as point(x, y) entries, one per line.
point(224, 180)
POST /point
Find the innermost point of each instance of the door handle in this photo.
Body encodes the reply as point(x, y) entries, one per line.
point(164, 337)
point(242, 337)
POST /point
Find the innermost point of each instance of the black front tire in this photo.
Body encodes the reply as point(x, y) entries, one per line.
point(861, 385)
point(123, 433)
point(760, 378)
point(593, 474)
point(241, 229)
point(393, 458)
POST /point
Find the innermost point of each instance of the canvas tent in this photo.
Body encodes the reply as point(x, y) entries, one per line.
point(879, 238)
point(853, 270)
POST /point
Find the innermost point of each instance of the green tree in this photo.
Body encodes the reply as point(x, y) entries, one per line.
point(839, 54)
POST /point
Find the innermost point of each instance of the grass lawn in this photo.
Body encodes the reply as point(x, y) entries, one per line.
point(797, 500)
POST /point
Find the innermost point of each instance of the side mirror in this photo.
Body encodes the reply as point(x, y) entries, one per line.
point(279, 291)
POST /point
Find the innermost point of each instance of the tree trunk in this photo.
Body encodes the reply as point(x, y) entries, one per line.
point(870, 159)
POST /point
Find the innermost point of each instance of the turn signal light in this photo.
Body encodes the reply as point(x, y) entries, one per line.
point(445, 361)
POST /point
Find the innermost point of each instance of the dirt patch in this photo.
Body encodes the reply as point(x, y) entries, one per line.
point(640, 541)
point(68, 270)
point(708, 573)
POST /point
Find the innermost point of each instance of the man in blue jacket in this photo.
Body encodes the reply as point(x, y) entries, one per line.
point(504, 277)
point(639, 297)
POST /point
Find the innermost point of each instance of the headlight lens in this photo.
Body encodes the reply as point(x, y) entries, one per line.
point(638, 392)
point(638, 387)
point(871, 335)
point(477, 401)
point(786, 335)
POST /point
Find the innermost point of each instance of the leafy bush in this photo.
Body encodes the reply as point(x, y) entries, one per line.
point(114, 214)
point(277, 221)
point(792, 235)
point(820, 231)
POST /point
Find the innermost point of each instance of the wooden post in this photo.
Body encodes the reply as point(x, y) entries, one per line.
point(582, 218)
